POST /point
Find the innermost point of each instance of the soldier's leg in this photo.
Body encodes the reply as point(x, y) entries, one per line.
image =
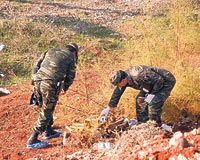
point(37, 93)
point(39, 127)
point(156, 106)
point(50, 99)
point(33, 141)
point(141, 107)
point(155, 111)
point(49, 132)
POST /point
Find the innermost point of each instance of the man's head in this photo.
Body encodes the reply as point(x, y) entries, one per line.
point(117, 77)
point(73, 47)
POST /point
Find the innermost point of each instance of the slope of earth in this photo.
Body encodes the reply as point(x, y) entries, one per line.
point(17, 119)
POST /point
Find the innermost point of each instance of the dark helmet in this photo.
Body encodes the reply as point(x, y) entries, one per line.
point(74, 46)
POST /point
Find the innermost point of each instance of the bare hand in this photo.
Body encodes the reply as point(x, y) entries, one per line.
point(62, 92)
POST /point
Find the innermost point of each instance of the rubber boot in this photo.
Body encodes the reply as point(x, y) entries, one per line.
point(50, 133)
point(34, 143)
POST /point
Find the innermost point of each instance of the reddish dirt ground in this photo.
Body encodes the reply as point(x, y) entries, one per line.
point(17, 119)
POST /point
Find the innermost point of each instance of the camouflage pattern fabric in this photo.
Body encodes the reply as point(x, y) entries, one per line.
point(54, 67)
point(46, 91)
point(149, 80)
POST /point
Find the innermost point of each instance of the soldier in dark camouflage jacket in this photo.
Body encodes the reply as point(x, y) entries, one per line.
point(155, 85)
point(53, 68)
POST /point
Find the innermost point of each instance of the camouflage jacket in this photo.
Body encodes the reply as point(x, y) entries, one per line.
point(57, 65)
point(144, 78)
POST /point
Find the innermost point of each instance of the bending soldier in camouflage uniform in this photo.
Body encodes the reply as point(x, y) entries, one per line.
point(154, 84)
point(54, 67)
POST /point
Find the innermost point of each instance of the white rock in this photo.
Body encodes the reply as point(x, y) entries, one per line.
point(150, 150)
point(102, 146)
point(1, 46)
point(174, 141)
point(194, 131)
point(178, 140)
point(197, 156)
point(142, 154)
point(182, 157)
point(4, 90)
point(1, 75)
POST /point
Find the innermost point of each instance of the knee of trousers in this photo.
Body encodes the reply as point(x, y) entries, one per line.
point(51, 105)
point(43, 120)
point(154, 111)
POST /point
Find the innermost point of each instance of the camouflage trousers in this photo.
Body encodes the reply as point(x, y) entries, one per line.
point(152, 111)
point(46, 92)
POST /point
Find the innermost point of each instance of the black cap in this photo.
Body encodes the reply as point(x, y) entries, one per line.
point(117, 76)
point(74, 46)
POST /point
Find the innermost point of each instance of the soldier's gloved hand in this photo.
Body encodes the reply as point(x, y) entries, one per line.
point(149, 98)
point(104, 114)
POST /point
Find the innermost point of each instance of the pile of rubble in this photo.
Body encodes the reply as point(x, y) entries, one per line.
point(142, 141)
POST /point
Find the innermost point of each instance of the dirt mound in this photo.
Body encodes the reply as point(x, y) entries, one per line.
point(146, 141)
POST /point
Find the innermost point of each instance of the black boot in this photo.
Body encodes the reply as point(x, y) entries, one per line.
point(33, 138)
point(34, 143)
point(50, 133)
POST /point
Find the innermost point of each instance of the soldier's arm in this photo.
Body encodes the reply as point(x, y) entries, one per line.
point(69, 77)
point(116, 95)
point(37, 65)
